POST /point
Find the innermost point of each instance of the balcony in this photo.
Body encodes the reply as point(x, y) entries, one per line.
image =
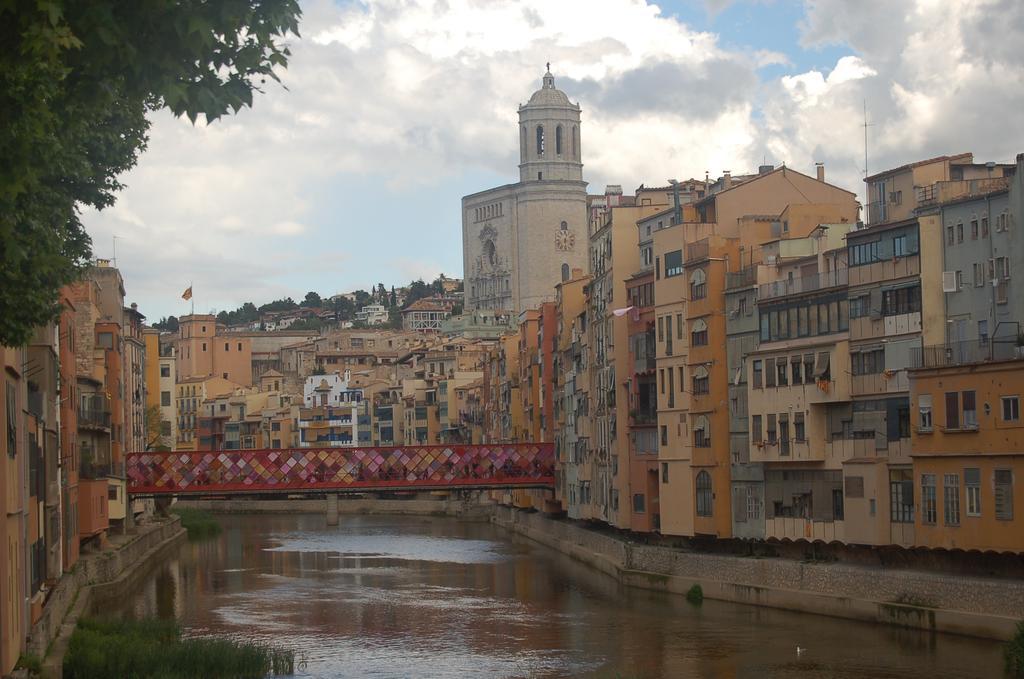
point(795, 286)
point(743, 278)
point(964, 353)
point(90, 418)
point(942, 192)
point(697, 251)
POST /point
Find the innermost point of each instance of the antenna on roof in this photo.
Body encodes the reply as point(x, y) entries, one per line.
point(866, 126)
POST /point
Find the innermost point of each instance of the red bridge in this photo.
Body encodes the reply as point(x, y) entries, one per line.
point(334, 470)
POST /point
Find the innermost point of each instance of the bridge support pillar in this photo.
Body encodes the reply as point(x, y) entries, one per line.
point(332, 509)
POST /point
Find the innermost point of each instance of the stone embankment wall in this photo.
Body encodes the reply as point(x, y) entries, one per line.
point(71, 597)
point(964, 605)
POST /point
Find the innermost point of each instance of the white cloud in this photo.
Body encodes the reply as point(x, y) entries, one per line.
point(391, 97)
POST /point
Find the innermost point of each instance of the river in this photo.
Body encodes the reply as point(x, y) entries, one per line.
point(398, 596)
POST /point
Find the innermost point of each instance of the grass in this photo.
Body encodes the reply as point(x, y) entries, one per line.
point(200, 524)
point(1013, 652)
point(695, 595)
point(153, 649)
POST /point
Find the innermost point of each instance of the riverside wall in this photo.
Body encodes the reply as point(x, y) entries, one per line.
point(976, 606)
point(72, 596)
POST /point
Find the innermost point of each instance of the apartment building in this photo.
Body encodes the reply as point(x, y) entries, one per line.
point(717, 236)
point(190, 393)
point(968, 450)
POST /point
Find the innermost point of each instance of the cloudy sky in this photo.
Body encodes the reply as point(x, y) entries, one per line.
point(394, 109)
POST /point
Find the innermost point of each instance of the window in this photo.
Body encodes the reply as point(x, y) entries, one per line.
point(239, 346)
point(901, 495)
point(204, 346)
point(901, 301)
point(974, 229)
point(972, 484)
point(799, 429)
point(952, 410)
point(565, 272)
point(1011, 408)
point(949, 235)
point(1002, 268)
point(661, 328)
point(1003, 482)
point(870, 362)
point(227, 347)
point(701, 432)
point(809, 368)
point(661, 380)
point(540, 142)
point(970, 413)
point(165, 371)
point(984, 226)
point(784, 434)
point(863, 253)
point(794, 364)
point(699, 333)
point(673, 263)
point(105, 340)
point(899, 246)
point(755, 429)
point(928, 498)
point(664, 435)
point(679, 326)
point(558, 144)
point(700, 380)
point(781, 370)
point(978, 271)
point(924, 410)
point(165, 398)
point(951, 499)
point(753, 503)
point(638, 500)
point(704, 495)
point(698, 285)
point(769, 366)
point(275, 426)
point(758, 373)
point(772, 433)
point(837, 504)
point(960, 232)
point(664, 472)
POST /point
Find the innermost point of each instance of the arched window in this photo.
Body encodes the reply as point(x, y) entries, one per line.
point(698, 284)
point(540, 140)
point(522, 142)
point(565, 270)
point(575, 142)
point(704, 495)
point(564, 227)
point(558, 140)
point(699, 333)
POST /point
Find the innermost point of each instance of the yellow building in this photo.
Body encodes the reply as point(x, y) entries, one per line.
point(968, 452)
point(190, 393)
point(204, 350)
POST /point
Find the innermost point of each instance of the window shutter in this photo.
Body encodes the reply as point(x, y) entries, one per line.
point(949, 281)
point(1004, 494)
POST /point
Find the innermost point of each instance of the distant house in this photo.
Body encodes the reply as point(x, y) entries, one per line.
point(372, 314)
point(427, 315)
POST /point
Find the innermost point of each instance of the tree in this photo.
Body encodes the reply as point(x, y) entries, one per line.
point(155, 440)
point(312, 300)
point(417, 290)
point(394, 298)
point(76, 82)
point(167, 324)
point(362, 298)
point(286, 304)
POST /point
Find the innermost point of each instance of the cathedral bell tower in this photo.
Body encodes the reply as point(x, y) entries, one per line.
point(549, 136)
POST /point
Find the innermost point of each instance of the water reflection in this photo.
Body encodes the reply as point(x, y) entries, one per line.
point(403, 597)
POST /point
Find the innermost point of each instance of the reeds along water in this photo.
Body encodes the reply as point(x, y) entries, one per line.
point(103, 648)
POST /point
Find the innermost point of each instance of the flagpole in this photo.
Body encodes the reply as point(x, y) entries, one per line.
point(192, 299)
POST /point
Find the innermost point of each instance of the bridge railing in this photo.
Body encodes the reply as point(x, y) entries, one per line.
point(311, 469)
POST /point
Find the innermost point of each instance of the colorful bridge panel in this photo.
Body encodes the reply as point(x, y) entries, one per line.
point(304, 469)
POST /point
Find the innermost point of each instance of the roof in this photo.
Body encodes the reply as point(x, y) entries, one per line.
point(427, 305)
point(549, 95)
point(758, 177)
point(919, 163)
point(271, 373)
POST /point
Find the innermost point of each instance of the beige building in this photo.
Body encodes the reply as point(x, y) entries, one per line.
point(520, 239)
point(202, 350)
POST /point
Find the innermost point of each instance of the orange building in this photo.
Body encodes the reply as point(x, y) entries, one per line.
point(968, 449)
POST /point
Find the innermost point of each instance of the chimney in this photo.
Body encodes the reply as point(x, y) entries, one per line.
point(726, 179)
point(821, 171)
point(765, 169)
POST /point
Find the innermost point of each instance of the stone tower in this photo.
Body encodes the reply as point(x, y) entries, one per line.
point(549, 136)
point(520, 240)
